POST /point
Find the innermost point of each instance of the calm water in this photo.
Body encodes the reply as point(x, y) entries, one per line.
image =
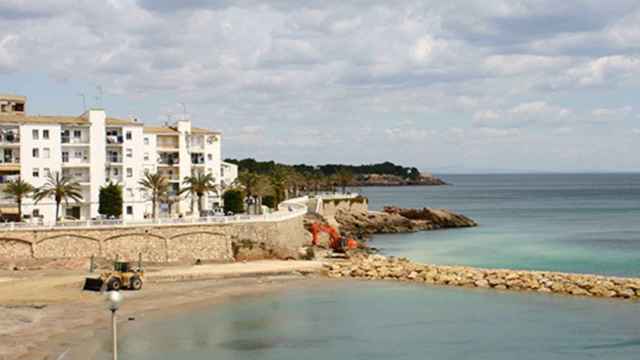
point(575, 223)
point(562, 222)
point(392, 321)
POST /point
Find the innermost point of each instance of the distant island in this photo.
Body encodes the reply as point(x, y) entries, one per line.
point(382, 174)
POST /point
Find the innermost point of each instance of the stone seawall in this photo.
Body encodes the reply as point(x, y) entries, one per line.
point(377, 267)
point(158, 243)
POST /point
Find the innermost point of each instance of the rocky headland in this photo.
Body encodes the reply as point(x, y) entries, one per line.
point(394, 180)
point(363, 224)
point(378, 267)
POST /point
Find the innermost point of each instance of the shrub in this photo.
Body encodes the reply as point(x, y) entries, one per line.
point(111, 200)
point(233, 201)
point(269, 201)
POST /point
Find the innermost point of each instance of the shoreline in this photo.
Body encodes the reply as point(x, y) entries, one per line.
point(70, 324)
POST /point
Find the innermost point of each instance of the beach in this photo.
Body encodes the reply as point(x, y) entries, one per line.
point(45, 314)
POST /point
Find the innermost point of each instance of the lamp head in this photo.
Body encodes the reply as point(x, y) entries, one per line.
point(114, 300)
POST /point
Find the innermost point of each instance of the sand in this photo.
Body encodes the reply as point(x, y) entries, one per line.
point(45, 315)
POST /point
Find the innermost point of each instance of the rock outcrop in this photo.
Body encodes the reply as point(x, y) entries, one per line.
point(394, 180)
point(378, 267)
point(362, 224)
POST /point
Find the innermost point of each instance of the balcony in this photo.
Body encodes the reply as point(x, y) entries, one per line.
point(168, 160)
point(6, 178)
point(115, 140)
point(69, 140)
point(114, 159)
point(197, 159)
point(9, 138)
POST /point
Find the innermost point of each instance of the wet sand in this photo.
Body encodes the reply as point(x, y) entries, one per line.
point(45, 315)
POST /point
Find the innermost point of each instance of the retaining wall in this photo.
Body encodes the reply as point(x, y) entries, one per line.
point(157, 243)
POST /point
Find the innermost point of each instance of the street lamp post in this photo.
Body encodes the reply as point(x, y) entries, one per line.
point(114, 300)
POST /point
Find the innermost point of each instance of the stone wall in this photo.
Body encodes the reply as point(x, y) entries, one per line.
point(158, 243)
point(330, 207)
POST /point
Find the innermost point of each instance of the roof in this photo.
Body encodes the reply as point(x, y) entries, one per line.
point(12, 97)
point(162, 130)
point(204, 131)
point(170, 130)
point(62, 120)
point(121, 122)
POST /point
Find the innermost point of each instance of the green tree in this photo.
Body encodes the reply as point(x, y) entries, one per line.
point(157, 185)
point(18, 190)
point(199, 185)
point(344, 178)
point(110, 200)
point(248, 180)
point(60, 188)
point(233, 201)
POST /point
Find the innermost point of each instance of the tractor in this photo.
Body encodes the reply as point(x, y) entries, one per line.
point(123, 276)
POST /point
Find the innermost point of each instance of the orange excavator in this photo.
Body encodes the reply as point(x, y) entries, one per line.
point(338, 243)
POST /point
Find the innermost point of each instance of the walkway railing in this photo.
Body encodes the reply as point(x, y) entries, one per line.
point(286, 210)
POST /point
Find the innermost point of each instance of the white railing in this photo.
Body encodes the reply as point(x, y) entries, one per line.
point(287, 210)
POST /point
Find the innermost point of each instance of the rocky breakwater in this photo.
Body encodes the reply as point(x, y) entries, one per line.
point(377, 267)
point(399, 220)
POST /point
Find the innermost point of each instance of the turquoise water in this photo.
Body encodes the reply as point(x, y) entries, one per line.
point(386, 320)
point(575, 223)
point(585, 223)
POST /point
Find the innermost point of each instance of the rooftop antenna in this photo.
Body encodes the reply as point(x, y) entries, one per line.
point(184, 111)
point(99, 96)
point(84, 101)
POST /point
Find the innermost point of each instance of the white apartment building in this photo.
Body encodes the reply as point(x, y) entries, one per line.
point(95, 149)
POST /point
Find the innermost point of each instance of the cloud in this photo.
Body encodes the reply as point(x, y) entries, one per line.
point(611, 113)
point(290, 72)
point(524, 114)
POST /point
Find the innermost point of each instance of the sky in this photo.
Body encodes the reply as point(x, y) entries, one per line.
point(447, 86)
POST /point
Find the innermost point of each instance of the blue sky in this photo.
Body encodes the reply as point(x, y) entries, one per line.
point(455, 86)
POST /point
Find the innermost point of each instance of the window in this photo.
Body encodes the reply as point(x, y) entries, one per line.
point(77, 154)
point(210, 157)
point(35, 134)
point(210, 140)
point(35, 153)
point(129, 153)
point(65, 156)
point(128, 135)
point(146, 140)
point(129, 172)
point(36, 213)
point(129, 210)
point(45, 134)
point(77, 134)
point(130, 194)
point(46, 153)
point(146, 156)
point(116, 172)
point(46, 171)
point(36, 172)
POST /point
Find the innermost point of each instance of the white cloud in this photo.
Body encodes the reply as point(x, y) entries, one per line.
point(607, 113)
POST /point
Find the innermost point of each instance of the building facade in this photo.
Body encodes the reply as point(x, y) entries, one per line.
point(95, 149)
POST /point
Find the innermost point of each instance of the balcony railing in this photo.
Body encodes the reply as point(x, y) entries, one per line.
point(72, 140)
point(9, 138)
point(114, 159)
point(9, 160)
point(115, 139)
point(168, 161)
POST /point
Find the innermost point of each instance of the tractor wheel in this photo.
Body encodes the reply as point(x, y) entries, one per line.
point(136, 283)
point(115, 284)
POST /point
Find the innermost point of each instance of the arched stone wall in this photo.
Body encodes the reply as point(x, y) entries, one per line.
point(156, 243)
point(15, 248)
point(199, 245)
point(66, 246)
point(128, 246)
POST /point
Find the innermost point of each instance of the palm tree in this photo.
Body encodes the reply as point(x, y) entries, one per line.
point(200, 184)
point(61, 188)
point(248, 180)
point(158, 185)
point(18, 190)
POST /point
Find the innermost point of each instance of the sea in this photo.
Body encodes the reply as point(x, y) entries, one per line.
point(588, 223)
